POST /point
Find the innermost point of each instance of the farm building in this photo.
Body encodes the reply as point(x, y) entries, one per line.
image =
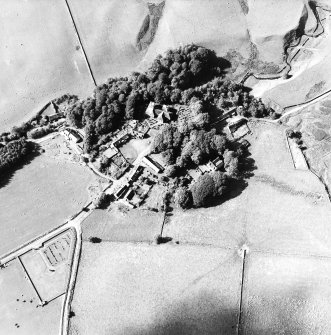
point(216, 164)
point(161, 113)
point(72, 135)
point(55, 116)
point(110, 152)
point(194, 173)
point(236, 122)
point(136, 173)
point(138, 129)
point(230, 113)
point(155, 166)
point(121, 138)
point(122, 191)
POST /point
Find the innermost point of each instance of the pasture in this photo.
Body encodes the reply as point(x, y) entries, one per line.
point(118, 224)
point(125, 288)
point(108, 30)
point(40, 196)
point(48, 268)
point(218, 25)
point(19, 310)
point(314, 124)
point(192, 285)
point(281, 208)
point(40, 57)
point(286, 295)
point(310, 73)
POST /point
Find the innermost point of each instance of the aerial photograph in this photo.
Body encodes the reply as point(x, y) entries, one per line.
point(165, 167)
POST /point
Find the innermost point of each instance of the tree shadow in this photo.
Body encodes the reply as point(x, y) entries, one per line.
point(237, 185)
point(7, 176)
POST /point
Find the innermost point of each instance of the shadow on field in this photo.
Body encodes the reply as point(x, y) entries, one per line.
point(201, 314)
point(284, 313)
point(204, 314)
point(8, 175)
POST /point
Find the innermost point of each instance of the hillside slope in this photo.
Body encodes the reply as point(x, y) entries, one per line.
point(120, 37)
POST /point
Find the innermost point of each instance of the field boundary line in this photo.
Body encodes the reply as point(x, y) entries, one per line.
point(80, 42)
point(239, 328)
point(23, 245)
point(289, 254)
point(71, 283)
point(31, 282)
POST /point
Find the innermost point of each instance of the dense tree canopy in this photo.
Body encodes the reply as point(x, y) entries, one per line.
point(176, 77)
point(183, 198)
point(13, 153)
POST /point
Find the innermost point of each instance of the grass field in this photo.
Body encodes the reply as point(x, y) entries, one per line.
point(308, 74)
point(108, 30)
point(286, 295)
point(314, 124)
point(18, 305)
point(268, 29)
point(281, 209)
point(162, 290)
point(40, 196)
point(116, 225)
point(39, 58)
point(218, 25)
point(48, 267)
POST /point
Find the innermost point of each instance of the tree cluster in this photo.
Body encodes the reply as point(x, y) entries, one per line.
point(13, 153)
point(184, 147)
point(125, 98)
point(207, 188)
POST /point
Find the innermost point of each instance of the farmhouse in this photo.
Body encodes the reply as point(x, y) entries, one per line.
point(216, 164)
point(72, 136)
point(160, 113)
point(155, 166)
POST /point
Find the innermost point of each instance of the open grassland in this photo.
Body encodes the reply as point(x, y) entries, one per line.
point(281, 209)
point(215, 24)
point(108, 30)
point(143, 289)
point(268, 23)
point(310, 73)
point(314, 122)
point(18, 305)
point(40, 58)
point(39, 197)
point(123, 225)
point(286, 295)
